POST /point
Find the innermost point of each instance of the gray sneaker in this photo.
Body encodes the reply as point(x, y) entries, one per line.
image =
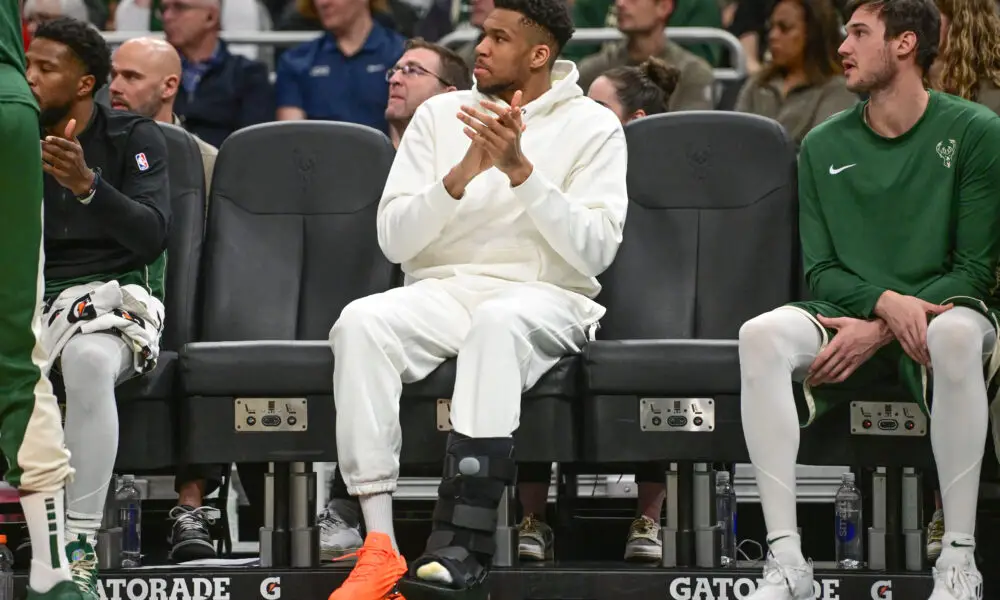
point(535, 540)
point(644, 544)
point(339, 529)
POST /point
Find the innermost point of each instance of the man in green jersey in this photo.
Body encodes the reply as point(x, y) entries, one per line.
point(31, 435)
point(900, 228)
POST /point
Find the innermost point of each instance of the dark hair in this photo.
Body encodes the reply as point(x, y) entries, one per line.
point(919, 16)
point(85, 41)
point(646, 87)
point(823, 37)
point(454, 71)
point(552, 16)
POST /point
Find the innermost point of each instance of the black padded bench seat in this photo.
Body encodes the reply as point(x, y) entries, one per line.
point(662, 366)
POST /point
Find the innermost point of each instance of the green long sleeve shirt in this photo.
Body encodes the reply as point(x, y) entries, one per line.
point(918, 214)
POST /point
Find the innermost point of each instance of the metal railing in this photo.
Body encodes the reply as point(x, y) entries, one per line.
point(681, 35)
point(458, 38)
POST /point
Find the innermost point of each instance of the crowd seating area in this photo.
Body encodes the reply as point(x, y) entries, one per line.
point(710, 241)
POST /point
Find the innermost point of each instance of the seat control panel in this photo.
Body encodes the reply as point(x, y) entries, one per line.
point(888, 418)
point(271, 414)
point(677, 414)
point(444, 414)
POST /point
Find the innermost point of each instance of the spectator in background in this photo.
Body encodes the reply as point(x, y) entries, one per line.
point(630, 93)
point(219, 92)
point(642, 22)
point(750, 26)
point(968, 66)
point(235, 15)
point(340, 76)
point(969, 63)
point(424, 71)
point(687, 13)
point(802, 83)
point(145, 78)
point(37, 12)
point(478, 11)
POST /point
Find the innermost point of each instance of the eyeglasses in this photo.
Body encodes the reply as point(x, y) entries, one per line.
point(413, 71)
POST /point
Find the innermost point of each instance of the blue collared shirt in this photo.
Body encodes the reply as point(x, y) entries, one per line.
point(318, 78)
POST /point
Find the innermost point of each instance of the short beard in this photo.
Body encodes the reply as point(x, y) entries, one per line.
point(496, 89)
point(879, 80)
point(52, 115)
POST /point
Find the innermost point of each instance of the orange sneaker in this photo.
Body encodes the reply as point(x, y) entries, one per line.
point(375, 574)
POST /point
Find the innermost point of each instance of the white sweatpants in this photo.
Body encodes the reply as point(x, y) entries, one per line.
point(778, 347)
point(92, 364)
point(506, 335)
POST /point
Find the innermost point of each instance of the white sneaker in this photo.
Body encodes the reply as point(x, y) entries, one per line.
point(958, 582)
point(785, 582)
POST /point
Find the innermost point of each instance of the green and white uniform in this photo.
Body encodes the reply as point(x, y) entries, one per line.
point(31, 435)
point(918, 214)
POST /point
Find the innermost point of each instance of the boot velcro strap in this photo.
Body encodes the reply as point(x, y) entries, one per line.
point(493, 467)
point(472, 541)
point(465, 516)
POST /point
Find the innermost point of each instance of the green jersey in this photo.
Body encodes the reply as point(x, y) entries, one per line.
point(13, 87)
point(918, 214)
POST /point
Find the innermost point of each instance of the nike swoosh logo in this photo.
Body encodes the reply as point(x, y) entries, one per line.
point(771, 542)
point(957, 545)
point(845, 167)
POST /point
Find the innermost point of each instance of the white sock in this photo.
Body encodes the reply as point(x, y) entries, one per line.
point(786, 546)
point(78, 524)
point(772, 347)
point(44, 514)
point(957, 341)
point(956, 549)
point(377, 510)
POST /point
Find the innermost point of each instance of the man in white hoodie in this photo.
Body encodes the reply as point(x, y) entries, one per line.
point(503, 205)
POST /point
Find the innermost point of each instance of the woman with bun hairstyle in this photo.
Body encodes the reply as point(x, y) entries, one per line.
point(802, 83)
point(631, 93)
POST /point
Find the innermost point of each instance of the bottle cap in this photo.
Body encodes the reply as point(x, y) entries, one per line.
point(848, 478)
point(128, 478)
point(722, 476)
point(3, 539)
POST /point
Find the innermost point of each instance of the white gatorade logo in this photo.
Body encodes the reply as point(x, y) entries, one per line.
point(270, 588)
point(729, 588)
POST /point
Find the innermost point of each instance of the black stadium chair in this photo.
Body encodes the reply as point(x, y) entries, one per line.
point(709, 240)
point(287, 247)
point(147, 404)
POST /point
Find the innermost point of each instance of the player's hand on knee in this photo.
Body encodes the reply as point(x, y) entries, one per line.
point(907, 317)
point(855, 342)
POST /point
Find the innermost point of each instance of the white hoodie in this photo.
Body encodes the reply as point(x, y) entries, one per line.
point(562, 226)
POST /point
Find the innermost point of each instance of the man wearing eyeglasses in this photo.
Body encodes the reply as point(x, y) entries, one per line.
point(424, 70)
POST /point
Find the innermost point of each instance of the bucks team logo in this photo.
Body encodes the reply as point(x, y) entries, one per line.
point(947, 152)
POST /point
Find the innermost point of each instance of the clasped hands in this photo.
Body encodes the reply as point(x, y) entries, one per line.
point(903, 318)
point(496, 142)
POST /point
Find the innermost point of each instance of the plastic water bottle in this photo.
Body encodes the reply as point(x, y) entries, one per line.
point(129, 502)
point(6, 570)
point(725, 513)
point(850, 553)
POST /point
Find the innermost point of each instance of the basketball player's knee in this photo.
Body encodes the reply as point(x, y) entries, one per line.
point(495, 318)
point(759, 341)
point(360, 319)
point(955, 344)
point(84, 361)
